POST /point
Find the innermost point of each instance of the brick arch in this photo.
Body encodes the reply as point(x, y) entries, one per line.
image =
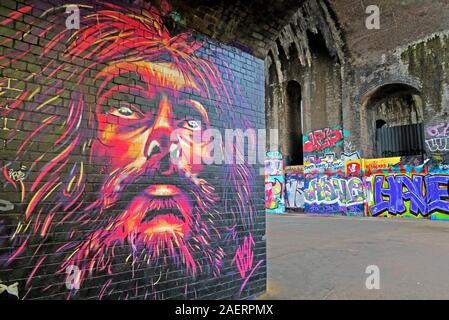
point(376, 94)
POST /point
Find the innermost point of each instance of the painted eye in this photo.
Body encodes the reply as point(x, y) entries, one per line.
point(193, 125)
point(125, 112)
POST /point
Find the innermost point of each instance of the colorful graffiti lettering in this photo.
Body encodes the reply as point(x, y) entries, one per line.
point(438, 144)
point(294, 187)
point(335, 190)
point(132, 209)
point(274, 167)
point(274, 155)
point(323, 139)
point(324, 167)
point(371, 165)
point(275, 199)
point(417, 195)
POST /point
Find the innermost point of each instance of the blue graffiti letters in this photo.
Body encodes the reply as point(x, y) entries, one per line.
point(417, 194)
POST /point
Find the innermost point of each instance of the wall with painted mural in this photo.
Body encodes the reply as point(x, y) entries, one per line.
point(324, 140)
point(96, 199)
point(329, 190)
point(274, 183)
point(387, 187)
point(398, 190)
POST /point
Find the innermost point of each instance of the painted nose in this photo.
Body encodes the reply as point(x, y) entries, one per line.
point(157, 148)
point(153, 149)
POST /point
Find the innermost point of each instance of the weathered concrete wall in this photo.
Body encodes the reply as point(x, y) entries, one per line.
point(307, 52)
point(420, 67)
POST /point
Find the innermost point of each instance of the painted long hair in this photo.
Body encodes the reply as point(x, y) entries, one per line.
point(54, 118)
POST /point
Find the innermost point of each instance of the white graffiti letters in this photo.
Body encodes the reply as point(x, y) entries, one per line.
point(6, 205)
point(335, 190)
point(438, 144)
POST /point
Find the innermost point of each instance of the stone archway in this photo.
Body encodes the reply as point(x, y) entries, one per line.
point(294, 123)
point(397, 108)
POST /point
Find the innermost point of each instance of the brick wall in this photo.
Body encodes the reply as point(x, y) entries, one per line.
point(98, 197)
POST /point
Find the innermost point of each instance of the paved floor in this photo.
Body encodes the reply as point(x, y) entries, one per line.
point(326, 258)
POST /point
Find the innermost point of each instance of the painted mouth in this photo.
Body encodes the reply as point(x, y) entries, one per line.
point(169, 211)
point(171, 214)
point(165, 224)
point(163, 190)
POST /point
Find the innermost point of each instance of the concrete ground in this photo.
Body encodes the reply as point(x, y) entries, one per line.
point(326, 258)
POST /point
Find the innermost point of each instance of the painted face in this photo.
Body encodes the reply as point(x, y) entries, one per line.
point(147, 149)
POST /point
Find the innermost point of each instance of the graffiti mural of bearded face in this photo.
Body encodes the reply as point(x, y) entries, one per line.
point(118, 178)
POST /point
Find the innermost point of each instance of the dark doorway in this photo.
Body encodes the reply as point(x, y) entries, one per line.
point(400, 141)
point(295, 147)
point(395, 116)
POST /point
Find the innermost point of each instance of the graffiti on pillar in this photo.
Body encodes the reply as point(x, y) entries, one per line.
point(324, 140)
point(410, 195)
point(274, 183)
point(437, 141)
point(274, 155)
point(274, 167)
point(274, 194)
point(294, 187)
point(354, 168)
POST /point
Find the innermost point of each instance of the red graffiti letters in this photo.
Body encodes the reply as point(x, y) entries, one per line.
point(319, 140)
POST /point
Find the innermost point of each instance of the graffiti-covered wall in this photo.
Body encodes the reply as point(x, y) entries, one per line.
point(274, 183)
point(99, 196)
point(387, 187)
point(407, 191)
point(294, 187)
point(329, 190)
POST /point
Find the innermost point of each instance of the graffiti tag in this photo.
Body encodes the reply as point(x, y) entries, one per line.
point(274, 167)
point(17, 175)
point(418, 194)
point(244, 260)
point(438, 144)
point(274, 194)
point(335, 190)
point(295, 191)
point(324, 139)
point(6, 205)
point(439, 130)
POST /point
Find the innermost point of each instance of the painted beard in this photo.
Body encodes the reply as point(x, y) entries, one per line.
point(168, 227)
